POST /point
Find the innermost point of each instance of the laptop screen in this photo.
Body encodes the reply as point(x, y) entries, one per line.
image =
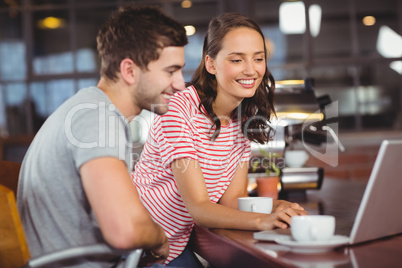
point(379, 214)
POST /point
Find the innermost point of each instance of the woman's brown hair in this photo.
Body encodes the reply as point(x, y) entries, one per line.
point(254, 112)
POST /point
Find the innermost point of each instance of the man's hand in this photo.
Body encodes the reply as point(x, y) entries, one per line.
point(157, 255)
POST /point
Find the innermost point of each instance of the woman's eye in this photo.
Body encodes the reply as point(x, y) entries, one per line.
point(235, 61)
point(259, 60)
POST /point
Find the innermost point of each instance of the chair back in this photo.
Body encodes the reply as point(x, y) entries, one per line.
point(9, 172)
point(14, 250)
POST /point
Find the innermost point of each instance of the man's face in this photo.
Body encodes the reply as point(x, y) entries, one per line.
point(162, 79)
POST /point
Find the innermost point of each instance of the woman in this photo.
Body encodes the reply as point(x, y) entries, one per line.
point(195, 162)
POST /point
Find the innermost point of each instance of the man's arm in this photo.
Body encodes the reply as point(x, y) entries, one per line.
point(123, 220)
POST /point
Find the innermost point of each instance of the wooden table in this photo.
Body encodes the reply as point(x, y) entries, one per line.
point(236, 248)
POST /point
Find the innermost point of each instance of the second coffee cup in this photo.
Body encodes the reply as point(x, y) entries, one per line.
point(255, 204)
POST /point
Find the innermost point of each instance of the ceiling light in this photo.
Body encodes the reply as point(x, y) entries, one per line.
point(389, 43)
point(396, 66)
point(368, 20)
point(190, 30)
point(186, 4)
point(51, 23)
point(292, 19)
point(314, 14)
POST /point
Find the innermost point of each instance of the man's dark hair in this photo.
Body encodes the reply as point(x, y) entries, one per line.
point(139, 33)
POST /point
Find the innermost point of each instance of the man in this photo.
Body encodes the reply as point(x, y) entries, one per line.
point(75, 186)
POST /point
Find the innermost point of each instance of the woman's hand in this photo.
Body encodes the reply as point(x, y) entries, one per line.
point(279, 205)
point(282, 212)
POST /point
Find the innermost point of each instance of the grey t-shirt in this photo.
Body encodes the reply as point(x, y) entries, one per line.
point(53, 206)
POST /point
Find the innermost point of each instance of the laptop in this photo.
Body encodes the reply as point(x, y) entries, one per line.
point(379, 211)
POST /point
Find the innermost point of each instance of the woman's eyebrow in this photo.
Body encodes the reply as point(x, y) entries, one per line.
point(242, 53)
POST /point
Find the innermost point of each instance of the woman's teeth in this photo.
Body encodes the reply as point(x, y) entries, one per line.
point(246, 82)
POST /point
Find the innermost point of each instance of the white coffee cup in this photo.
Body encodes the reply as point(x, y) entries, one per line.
point(296, 158)
point(312, 227)
point(255, 204)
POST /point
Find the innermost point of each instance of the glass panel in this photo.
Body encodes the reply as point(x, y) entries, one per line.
point(193, 52)
point(90, 82)
point(39, 104)
point(12, 58)
point(16, 113)
point(48, 96)
point(52, 49)
point(12, 47)
point(88, 24)
point(294, 52)
point(3, 114)
point(277, 44)
point(381, 98)
point(333, 39)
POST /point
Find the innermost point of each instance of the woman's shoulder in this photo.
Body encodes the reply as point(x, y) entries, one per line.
point(186, 100)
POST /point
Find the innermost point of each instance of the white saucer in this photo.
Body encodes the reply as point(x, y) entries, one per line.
point(313, 246)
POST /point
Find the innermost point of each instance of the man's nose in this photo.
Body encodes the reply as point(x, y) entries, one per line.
point(178, 83)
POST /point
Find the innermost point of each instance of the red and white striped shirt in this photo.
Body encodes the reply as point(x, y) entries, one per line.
point(184, 132)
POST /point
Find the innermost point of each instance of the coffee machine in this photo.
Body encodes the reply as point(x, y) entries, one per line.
point(301, 122)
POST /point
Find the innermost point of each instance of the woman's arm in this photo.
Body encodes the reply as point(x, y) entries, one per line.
point(191, 184)
point(237, 187)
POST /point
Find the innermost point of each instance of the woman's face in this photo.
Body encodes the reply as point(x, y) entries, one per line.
point(240, 65)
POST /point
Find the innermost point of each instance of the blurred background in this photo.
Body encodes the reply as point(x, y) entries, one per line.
point(352, 49)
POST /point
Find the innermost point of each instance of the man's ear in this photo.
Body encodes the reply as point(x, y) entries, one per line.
point(128, 70)
point(210, 65)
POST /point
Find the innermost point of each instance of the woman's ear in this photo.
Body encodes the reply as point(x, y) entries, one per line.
point(128, 70)
point(210, 65)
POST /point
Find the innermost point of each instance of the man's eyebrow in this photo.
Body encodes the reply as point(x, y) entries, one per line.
point(176, 66)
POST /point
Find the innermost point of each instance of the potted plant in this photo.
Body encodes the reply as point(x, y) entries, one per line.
point(268, 185)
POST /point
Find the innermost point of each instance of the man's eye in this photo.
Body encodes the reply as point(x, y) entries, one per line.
point(235, 61)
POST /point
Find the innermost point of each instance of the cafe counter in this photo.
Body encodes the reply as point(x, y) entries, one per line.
point(340, 198)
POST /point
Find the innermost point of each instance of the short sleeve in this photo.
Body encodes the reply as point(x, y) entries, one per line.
point(175, 134)
point(247, 151)
point(105, 136)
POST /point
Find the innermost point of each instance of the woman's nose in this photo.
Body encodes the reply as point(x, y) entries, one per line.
point(249, 68)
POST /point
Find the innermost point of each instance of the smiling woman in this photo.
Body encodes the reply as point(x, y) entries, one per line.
point(194, 164)
point(239, 67)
